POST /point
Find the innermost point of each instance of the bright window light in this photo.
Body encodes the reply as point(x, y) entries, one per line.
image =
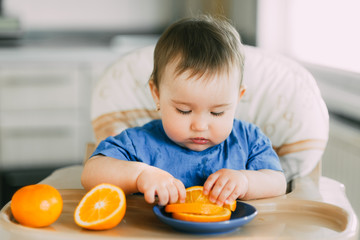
point(324, 32)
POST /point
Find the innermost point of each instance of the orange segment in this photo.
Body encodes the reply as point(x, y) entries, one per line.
point(223, 215)
point(103, 207)
point(195, 194)
point(231, 206)
point(198, 208)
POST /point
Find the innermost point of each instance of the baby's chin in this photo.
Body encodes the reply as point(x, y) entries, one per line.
point(197, 147)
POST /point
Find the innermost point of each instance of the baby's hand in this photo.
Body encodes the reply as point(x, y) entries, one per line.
point(225, 186)
point(154, 181)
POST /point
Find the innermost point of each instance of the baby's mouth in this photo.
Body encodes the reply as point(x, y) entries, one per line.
point(200, 140)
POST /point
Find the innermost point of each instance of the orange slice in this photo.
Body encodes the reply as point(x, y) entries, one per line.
point(103, 207)
point(195, 194)
point(198, 208)
point(224, 215)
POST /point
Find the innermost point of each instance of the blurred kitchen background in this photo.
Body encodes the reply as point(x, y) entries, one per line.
point(52, 52)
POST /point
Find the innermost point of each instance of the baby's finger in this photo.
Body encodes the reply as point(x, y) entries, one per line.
point(217, 189)
point(173, 193)
point(163, 196)
point(225, 193)
point(181, 190)
point(233, 196)
point(149, 195)
point(209, 183)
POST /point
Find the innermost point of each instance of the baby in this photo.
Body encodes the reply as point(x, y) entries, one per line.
point(196, 85)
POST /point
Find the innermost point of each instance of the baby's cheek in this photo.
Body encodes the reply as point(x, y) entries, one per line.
point(175, 129)
point(222, 131)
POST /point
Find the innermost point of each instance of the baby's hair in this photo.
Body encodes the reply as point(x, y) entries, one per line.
point(201, 45)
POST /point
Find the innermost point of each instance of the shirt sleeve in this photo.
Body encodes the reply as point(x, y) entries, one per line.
point(261, 153)
point(120, 147)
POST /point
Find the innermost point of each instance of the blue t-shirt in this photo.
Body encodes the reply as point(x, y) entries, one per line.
point(245, 148)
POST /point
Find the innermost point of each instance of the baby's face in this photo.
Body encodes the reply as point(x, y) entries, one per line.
point(197, 113)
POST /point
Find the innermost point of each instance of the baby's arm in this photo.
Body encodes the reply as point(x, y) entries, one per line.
point(227, 185)
point(133, 177)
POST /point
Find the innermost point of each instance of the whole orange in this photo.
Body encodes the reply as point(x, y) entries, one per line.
point(36, 205)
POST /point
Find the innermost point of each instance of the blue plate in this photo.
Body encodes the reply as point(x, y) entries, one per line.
point(243, 214)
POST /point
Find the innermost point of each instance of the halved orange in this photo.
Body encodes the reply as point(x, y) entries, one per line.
point(224, 215)
point(103, 207)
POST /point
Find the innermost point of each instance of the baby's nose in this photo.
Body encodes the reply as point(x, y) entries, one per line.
point(199, 124)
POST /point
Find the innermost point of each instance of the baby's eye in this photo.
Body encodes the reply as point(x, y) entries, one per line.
point(217, 114)
point(183, 112)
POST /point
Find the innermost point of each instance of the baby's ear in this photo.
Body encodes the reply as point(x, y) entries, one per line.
point(154, 91)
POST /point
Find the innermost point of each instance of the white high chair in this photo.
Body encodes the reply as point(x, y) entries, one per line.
point(282, 98)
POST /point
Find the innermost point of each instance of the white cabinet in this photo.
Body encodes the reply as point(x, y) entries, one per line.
point(39, 86)
point(45, 110)
point(40, 114)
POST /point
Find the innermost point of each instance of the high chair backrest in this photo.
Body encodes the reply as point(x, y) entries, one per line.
point(281, 97)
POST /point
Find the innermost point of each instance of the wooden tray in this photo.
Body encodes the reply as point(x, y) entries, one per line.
point(311, 211)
